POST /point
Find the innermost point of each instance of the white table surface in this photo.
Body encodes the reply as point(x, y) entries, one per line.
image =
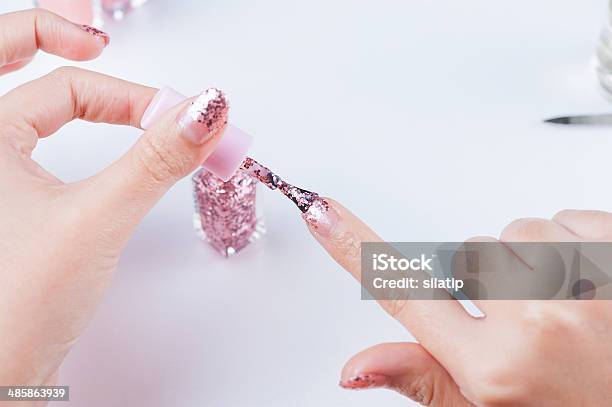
point(424, 117)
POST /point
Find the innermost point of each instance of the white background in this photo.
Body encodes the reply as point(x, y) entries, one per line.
point(424, 117)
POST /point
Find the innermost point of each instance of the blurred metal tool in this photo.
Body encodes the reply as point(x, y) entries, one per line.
point(592, 119)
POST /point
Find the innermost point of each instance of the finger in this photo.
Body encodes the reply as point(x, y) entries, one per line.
point(536, 230)
point(24, 32)
point(488, 269)
point(530, 230)
point(39, 108)
point(178, 143)
point(406, 368)
point(341, 234)
point(542, 245)
point(591, 225)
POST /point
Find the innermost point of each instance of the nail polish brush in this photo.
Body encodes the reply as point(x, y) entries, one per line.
point(230, 154)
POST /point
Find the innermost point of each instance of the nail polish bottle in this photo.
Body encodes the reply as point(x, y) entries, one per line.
point(117, 9)
point(90, 12)
point(602, 61)
point(228, 213)
point(77, 11)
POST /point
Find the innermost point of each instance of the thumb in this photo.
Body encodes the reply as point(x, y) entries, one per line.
point(178, 143)
point(406, 368)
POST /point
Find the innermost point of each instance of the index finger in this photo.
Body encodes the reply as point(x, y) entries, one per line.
point(23, 33)
point(39, 108)
point(341, 233)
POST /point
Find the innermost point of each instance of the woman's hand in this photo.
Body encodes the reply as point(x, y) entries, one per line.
point(59, 243)
point(524, 353)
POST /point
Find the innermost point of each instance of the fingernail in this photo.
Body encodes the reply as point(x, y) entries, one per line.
point(96, 33)
point(321, 217)
point(205, 117)
point(365, 381)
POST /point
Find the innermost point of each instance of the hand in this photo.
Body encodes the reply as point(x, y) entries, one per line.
point(59, 243)
point(524, 353)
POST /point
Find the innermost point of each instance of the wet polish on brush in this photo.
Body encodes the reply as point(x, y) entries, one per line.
point(301, 197)
point(316, 211)
point(96, 33)
point(365, 381)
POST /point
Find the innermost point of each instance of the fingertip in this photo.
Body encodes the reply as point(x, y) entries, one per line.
point(365, 381)
point(405, 367)
point(100, 36)
point(59, 36)
point(388, 359)
point(79, 43)
point(322, 217)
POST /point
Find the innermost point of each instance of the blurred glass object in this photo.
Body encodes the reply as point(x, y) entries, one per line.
point(77, 11)
point(603, 55)
point(90, 12)
point(117, 9)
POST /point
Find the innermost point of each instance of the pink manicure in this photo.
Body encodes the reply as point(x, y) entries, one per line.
point(96, 33)
point(365, 381)
point(321, 217)
point(205, 117)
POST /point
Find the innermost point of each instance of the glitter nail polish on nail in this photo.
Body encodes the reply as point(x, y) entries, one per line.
point(96, 33)
point(227, 214)
point(206, 116)
point(321, 217)
point(364, 381)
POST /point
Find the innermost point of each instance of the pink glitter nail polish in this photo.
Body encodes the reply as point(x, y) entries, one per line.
point(227, 214)
point(365, 381)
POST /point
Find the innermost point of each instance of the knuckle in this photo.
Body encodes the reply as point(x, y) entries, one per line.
point(159, 161)
point(566, 213)
point(544, 323)
point(499, 387)
point(39, 13)
point(396, 308)
point(64, 73)
point(419, 390)
point(526, 229)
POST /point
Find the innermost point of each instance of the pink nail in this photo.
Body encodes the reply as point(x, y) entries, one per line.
point(365, 381)
point(321, 217)
point(205, 117)
point(96, 33)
